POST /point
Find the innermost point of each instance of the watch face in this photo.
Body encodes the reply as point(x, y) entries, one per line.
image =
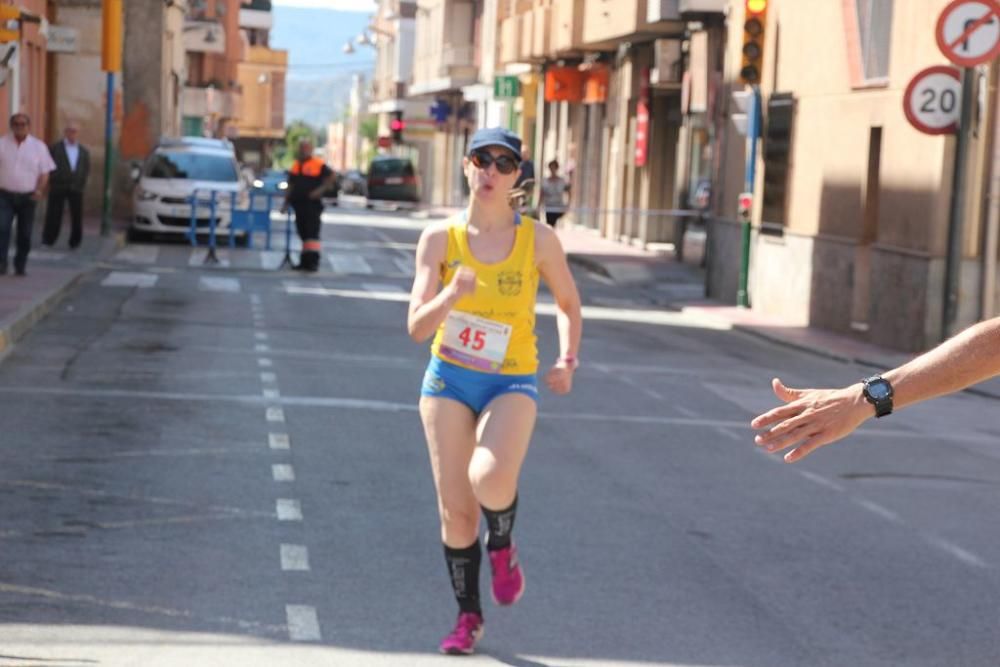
point(879, 389)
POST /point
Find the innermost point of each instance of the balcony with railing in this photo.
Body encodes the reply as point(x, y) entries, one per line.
point(606, 23)
point(445, 52)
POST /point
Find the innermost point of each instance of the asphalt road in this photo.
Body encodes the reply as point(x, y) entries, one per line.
point(225, 467)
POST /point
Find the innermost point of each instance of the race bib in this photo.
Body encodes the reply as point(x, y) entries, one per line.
point(475, 341)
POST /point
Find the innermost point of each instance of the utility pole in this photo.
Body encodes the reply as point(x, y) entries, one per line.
point(111, 62)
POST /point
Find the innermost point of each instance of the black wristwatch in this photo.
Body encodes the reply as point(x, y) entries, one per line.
point(878, 392)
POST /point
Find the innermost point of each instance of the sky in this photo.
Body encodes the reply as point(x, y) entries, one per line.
point(341, 5)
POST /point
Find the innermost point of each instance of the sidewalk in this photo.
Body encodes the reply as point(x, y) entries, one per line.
point(681, 287)
point(51, 274)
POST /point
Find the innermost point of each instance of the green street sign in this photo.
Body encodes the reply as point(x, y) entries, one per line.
point(506, 87)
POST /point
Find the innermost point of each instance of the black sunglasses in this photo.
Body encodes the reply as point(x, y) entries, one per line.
point(483, 159)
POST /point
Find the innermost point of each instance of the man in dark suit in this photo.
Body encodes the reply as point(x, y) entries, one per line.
point(67, 183)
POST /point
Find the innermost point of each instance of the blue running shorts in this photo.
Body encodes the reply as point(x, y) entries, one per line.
point(473, 388)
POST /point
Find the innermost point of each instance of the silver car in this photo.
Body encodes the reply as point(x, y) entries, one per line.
point(172, 174)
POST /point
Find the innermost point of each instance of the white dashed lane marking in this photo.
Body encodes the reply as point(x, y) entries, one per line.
point(344, 262)
point(268, 377)
point(282, 472)
point(294, 558)
point(279, 441)
point(303, 623)
point(289, 510)
point(127, 279)
point(219, 284)
point(275, 415)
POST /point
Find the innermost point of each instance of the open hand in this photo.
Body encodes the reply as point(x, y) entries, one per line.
point(810, 419)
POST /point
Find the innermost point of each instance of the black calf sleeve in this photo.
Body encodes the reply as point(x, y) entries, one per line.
point(501, 524)
point(463, 570)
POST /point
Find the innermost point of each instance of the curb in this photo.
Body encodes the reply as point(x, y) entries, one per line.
point(588, 263)
point(843, 358)
point(15, 326)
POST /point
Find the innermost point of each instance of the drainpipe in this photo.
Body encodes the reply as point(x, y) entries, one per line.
point(991, 235)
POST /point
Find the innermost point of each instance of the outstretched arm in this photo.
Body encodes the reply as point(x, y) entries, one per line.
point(812, 418)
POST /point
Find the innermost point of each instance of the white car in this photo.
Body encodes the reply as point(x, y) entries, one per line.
point(173, 173)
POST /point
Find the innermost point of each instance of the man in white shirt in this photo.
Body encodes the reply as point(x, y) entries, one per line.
point(67, 184)
point(25, 164)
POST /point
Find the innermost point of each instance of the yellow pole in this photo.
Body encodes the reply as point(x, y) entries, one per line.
point(111, 62)
point(111, 44)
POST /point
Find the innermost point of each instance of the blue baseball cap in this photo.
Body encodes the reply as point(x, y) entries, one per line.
point(496, 136)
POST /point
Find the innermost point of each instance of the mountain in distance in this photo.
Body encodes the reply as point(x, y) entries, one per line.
point(319, 72)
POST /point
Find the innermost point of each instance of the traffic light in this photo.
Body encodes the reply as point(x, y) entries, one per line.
point(396, 126)
point(10, 30)
point(754, 22)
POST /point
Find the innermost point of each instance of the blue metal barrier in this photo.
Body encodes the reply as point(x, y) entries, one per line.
point(213, 221)
point(250, 220)
point(247, 220)
point(287, 261)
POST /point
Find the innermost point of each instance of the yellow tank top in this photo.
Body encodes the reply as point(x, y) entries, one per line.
point(505, 293)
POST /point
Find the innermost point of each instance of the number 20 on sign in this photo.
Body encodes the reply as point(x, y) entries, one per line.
point(932, 101)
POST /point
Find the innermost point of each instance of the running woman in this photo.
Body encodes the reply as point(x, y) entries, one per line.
point(474, 291)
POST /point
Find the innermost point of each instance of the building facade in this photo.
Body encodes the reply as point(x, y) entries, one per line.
point(261, 75)
point(852, 203)
point(447, 56)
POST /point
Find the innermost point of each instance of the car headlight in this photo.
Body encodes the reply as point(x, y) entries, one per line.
point(257, 183)
point(283, 185)
point(145, 195)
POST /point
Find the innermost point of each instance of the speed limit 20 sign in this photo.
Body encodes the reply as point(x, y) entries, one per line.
point(933, 100)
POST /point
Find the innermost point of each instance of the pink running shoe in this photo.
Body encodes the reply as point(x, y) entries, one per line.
point(508, 579)
point(462, 640)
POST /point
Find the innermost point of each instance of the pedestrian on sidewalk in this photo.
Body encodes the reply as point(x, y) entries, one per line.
point(308, 179)
point(474, 291)
point(554, 189)
point(816, 417)
point(67, 184)
point(25, 164)
point(526, 178)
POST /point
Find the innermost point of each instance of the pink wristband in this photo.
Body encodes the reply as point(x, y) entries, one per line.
point(569, 360)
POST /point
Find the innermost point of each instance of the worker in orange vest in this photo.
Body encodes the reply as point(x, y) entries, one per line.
point(308, 179)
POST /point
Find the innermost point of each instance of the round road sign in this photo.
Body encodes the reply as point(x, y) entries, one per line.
point(968, 31)
point(933, 100)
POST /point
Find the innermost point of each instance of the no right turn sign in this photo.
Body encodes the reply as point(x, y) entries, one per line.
point(968, 32)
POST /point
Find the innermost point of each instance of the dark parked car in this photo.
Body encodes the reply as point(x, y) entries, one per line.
point(353, 182)
point(392, 179)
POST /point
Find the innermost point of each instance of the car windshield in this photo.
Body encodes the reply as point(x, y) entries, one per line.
point(384, 168)
point(191, 165)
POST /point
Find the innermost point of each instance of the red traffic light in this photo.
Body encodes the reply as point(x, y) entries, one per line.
point(745, 202)
point(397, 125)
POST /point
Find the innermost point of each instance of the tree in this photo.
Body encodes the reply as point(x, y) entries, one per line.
point(297, 131)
